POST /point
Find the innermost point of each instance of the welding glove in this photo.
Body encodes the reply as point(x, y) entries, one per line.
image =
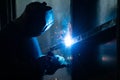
point(50, 64)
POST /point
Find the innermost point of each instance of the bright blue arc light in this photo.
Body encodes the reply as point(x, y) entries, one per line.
point(68, 40)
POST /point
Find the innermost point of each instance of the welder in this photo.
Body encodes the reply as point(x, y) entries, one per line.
point(19, 47)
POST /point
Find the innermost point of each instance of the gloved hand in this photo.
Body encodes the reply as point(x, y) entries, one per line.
point(56, 62)
point(51, 63)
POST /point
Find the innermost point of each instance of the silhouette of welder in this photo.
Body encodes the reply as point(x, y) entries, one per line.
point(19, 51)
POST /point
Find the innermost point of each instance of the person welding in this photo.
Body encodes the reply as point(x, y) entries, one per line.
point(19, 48)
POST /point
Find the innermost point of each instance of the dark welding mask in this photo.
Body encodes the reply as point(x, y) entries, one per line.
point(49, 20)
point(40, 15)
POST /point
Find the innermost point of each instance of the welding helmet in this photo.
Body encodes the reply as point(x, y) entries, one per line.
point(49, 20)
point(39, 16)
